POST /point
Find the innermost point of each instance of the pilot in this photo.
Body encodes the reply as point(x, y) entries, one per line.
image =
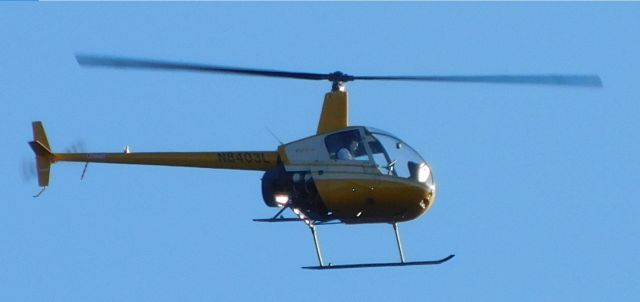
point(348, 153)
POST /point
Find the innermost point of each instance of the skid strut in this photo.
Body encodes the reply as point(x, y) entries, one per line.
point(279, 213)
point(395, 229)
point(402, 262)
point(312, 227)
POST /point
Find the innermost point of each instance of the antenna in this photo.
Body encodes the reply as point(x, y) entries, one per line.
point(274, 135)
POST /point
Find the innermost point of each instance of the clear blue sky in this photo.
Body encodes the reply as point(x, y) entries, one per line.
point(538, 186)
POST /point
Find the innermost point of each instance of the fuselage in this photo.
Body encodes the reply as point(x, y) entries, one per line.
point(355, 175)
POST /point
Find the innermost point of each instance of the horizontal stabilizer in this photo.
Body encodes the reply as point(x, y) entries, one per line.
point(40, 149)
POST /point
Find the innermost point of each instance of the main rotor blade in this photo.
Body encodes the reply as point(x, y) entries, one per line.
point(550, 79)
point(117, 62)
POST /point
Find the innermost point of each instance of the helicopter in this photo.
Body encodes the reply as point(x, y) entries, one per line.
point(343, 174)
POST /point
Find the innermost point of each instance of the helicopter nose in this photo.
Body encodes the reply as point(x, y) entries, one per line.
point(430, 196)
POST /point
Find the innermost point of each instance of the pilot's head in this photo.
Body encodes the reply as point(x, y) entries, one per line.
point(353, 147)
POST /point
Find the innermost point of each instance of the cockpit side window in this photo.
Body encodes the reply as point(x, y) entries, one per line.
point(346, 145)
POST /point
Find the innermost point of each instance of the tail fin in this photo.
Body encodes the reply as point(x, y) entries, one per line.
point(44, 156)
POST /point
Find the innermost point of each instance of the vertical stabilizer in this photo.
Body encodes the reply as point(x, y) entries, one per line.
point(44, 156)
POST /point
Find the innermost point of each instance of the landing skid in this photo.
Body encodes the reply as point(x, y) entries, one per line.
point(312, 226)
point(283, 219)
point(390, 264)
point(278, 217)
point(396, 230)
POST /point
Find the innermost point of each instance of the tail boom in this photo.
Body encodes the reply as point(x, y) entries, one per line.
point(250, 160)
point(239, 160)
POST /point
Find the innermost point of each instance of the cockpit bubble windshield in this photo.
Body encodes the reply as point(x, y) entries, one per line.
point(394, 157)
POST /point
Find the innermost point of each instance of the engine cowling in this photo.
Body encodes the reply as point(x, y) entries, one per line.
point(276, 183)
point(293, 189)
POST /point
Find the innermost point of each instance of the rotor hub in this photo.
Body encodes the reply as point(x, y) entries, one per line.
point(338, 80)
point(339, 76)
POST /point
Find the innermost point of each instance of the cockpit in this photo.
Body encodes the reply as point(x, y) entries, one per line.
point(389, 154)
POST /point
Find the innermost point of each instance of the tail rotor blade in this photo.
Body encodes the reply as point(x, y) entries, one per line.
point(28, 170)
point(77, 147)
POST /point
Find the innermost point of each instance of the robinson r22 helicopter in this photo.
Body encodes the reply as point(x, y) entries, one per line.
point(342, 174)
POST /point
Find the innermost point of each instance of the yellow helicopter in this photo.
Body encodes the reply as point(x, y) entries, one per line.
point(342, 174)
